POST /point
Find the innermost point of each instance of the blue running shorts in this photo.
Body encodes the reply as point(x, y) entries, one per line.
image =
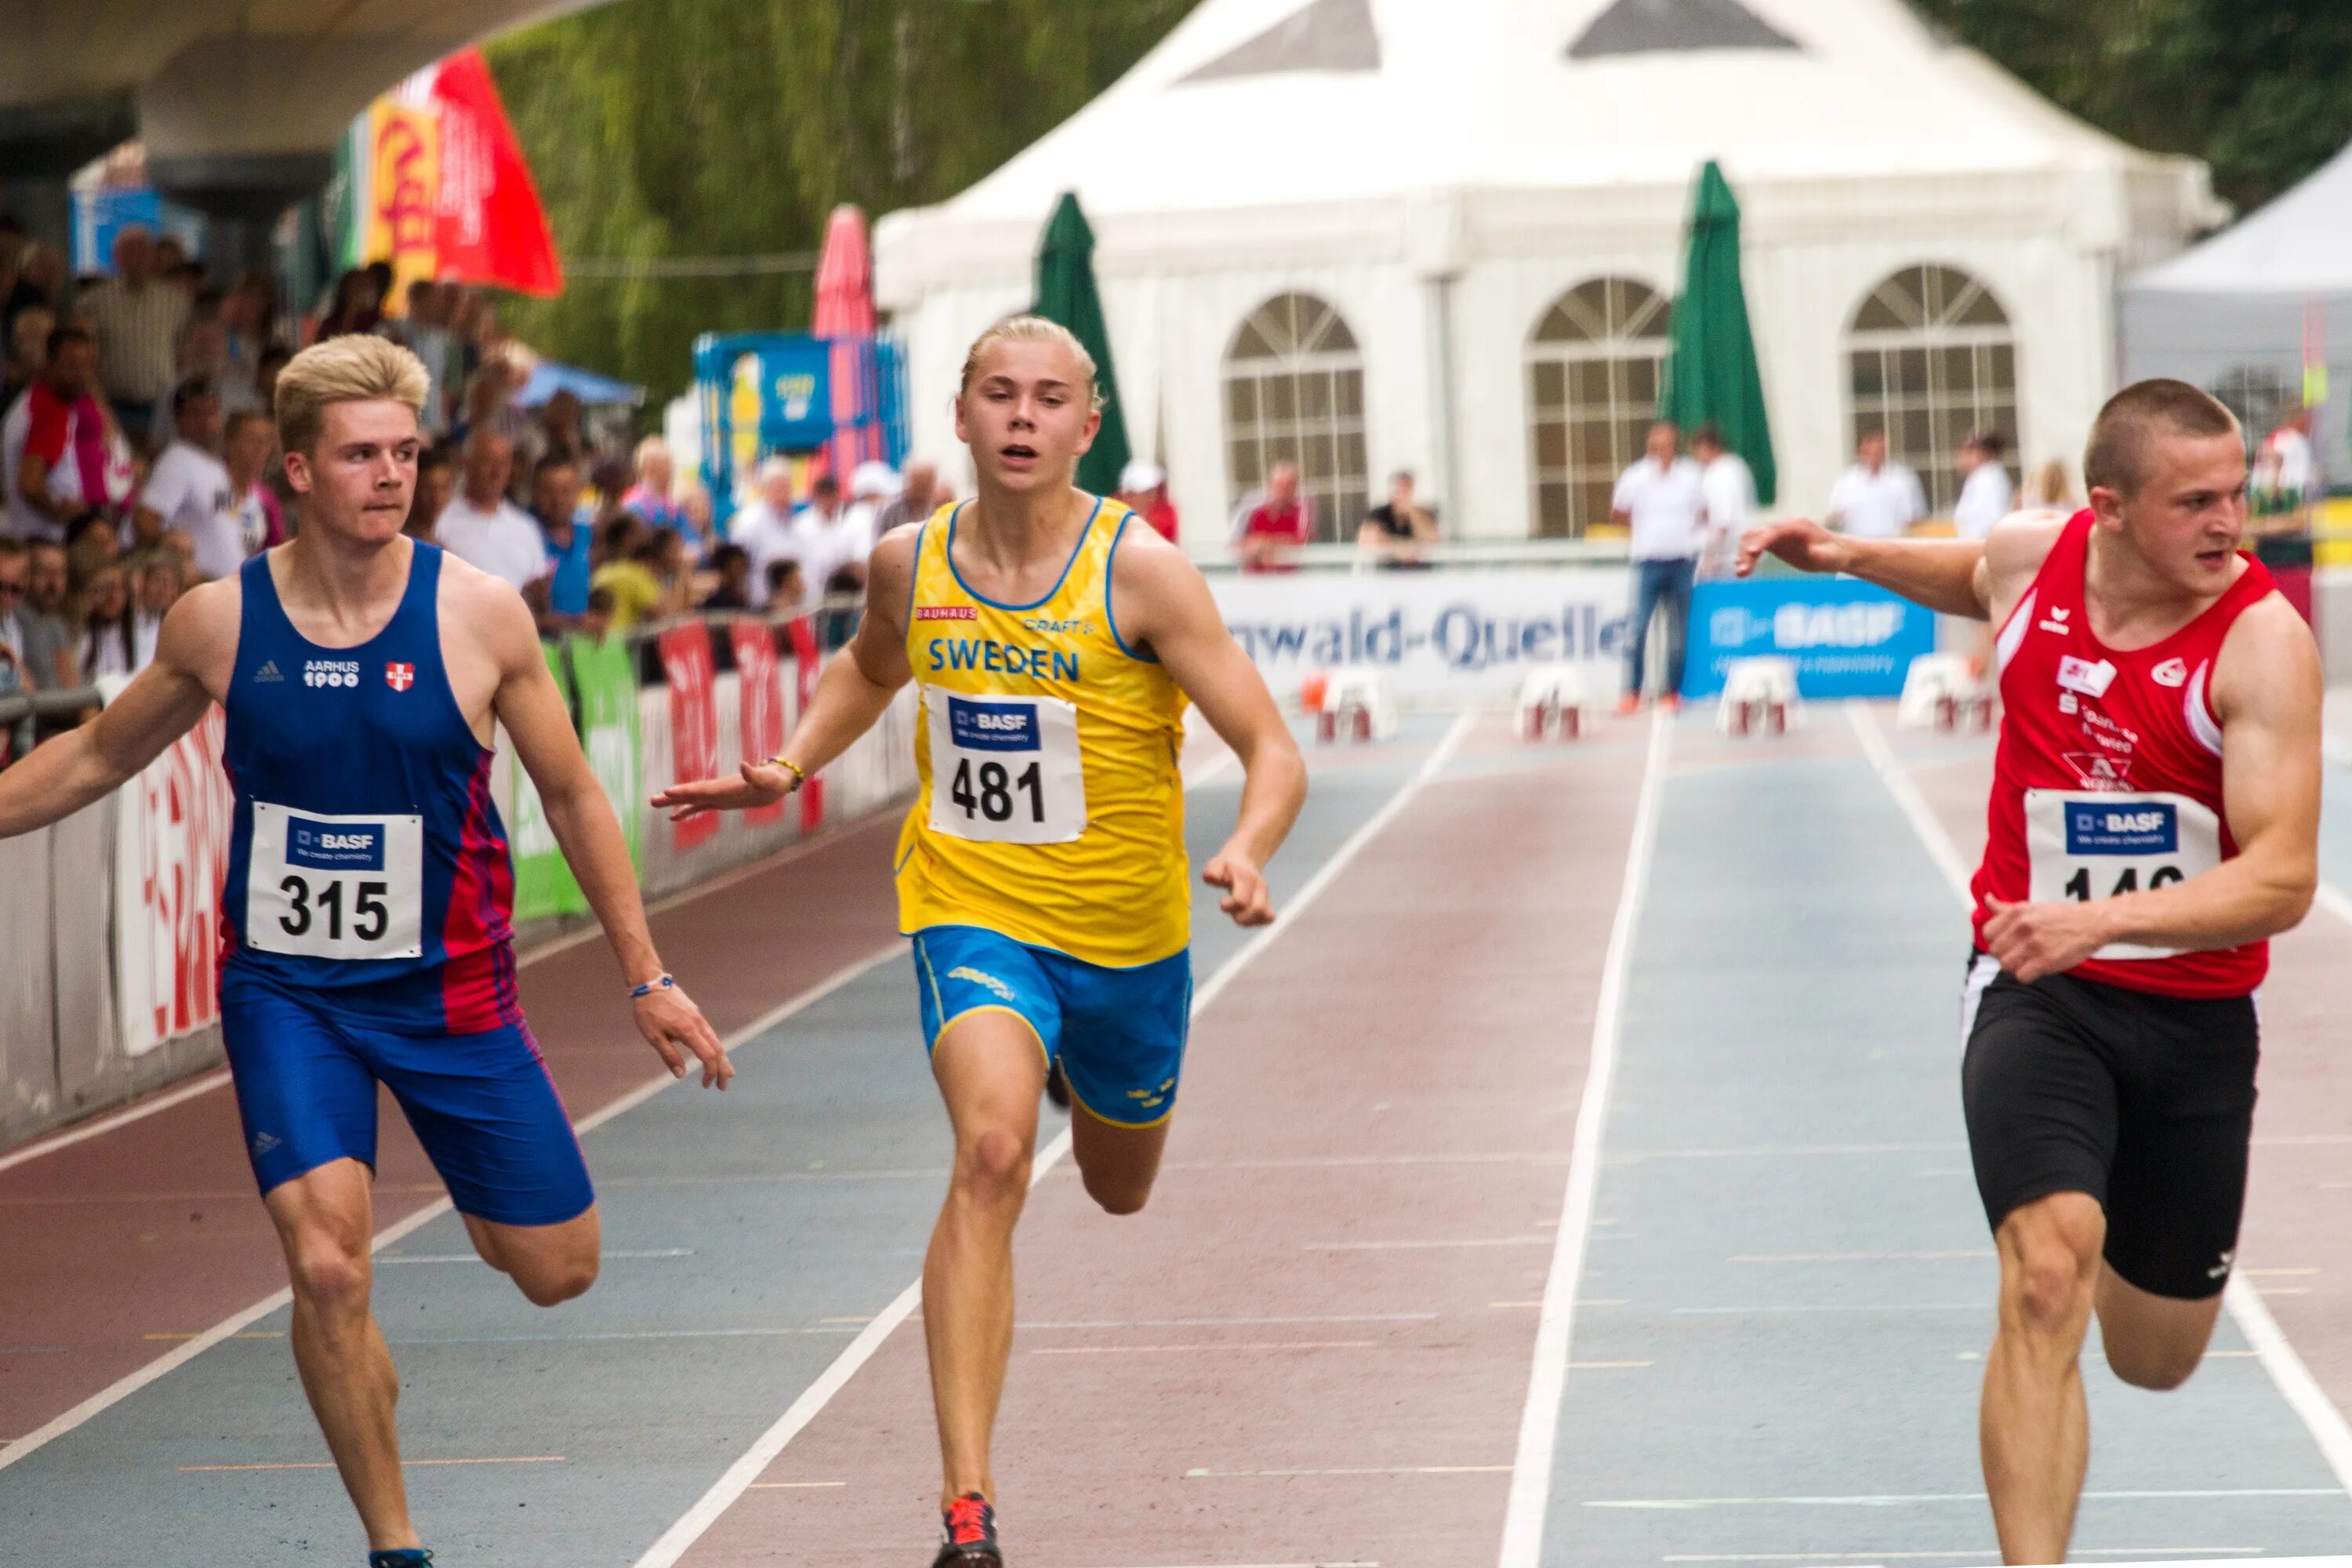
point(481, 1104)
point(1119, 1033)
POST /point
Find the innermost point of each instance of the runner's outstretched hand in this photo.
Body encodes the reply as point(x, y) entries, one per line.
point(668, 1019)
point(2034, 940)
point(1802, 543)
point(1245, 898)
point(761, 783)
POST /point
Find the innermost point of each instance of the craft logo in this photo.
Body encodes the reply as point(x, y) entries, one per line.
point(318, 672)
point(946, 612)
point(2173, 672)
point(399, 676)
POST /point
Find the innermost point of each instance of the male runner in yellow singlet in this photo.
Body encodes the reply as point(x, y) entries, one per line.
point(1054, 639)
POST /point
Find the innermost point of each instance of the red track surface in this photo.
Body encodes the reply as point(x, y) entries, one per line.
point(1376, 1120)
point(151, 1232)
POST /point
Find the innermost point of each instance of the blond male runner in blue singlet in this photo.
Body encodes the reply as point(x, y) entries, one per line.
point(1055, 640)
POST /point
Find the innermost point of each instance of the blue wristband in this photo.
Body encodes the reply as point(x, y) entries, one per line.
point(661, 982)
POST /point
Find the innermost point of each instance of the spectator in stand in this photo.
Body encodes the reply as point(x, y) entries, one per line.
point(1730, 492)
point(245, 329)
point(1661, 500)
point(823, 523)
point(60, 454)
point(357, 306)
point(44, 638)
point(162, 579)
point(1397, 529)
point(566, 536)
point(2051, 488)
point(40, 282)
point(769, 530)
point(13, 571)
point(1875, 498)
point(650, 497)
point(785, 589)
point(1143, 487)
point(188, 490)
point(137, 316)
point(481, 527)
point(29, 350)
point(734, 564)
point(663, 554)
point(425, 332)
point(92, 544)
point(918, 496)
point(489, 401)
point(697, 525)
point(2286, 475)
point(559, 426)
point(110, 644)
point(1985, 494)
point(437, 481)
point(203, 356)
point(1279, 525)
point(246, 444)
point(627, 583)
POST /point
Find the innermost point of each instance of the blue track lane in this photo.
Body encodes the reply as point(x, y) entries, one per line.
point(770, 1223)
point(1787, 1234)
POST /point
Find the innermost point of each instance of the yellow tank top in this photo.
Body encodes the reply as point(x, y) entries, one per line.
point(1050, 809)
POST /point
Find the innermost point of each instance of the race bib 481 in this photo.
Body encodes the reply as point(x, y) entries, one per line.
point(1005, 770)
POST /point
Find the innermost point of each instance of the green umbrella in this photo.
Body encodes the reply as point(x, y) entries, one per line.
point(1066, 293)
point(1711, 374)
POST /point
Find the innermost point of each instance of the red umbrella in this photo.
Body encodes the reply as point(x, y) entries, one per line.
point(844, 310)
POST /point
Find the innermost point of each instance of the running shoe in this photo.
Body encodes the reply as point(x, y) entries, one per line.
point(1057, 1086)
point(401, 1557)
point(968, 1535)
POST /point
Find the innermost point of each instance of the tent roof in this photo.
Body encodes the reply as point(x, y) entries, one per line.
point(548, 377)
point(1251, 103)
point(2300, 244)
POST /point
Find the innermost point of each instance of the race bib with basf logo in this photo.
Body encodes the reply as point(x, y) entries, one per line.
point(2085, 847)
point(1005, 770)
point(335, 886)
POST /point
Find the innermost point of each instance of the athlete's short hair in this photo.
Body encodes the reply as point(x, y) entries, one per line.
point(1034, 330)
point(355, 368)
point(2120, 455)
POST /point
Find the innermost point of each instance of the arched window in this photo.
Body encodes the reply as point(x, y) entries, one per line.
point(1593, 365)
point(1929, 359)
point(1295, 393)
point(2261, 397)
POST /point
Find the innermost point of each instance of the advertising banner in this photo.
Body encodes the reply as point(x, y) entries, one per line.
point(543, 881)
point(796, 395)
point(171, 852)
point(806, 660)
point(1847, 638)
point(693, 720)
point(760, 690)
point(1437, 637)
point(606, 684)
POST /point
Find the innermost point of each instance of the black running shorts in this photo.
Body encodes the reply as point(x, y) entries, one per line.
point(2145, 1102)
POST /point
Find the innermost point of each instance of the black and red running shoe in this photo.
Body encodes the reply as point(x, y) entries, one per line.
point(968, 1535)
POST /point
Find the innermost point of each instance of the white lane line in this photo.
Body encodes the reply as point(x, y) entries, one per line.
point(697, 1520)
point(1909, 1499)
point(123, 1118)
point(1530, 1497)
point(2296, 1385)
point(132, 1382)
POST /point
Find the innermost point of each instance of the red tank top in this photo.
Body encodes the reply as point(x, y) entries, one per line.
point(2108, 778)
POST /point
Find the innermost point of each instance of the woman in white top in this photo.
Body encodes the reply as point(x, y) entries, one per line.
point(1985, 494)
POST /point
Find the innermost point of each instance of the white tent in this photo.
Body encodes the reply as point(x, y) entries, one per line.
point(1470, 211)
point(2244, 312)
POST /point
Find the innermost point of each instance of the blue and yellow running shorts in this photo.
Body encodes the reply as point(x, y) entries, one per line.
point(1119, 1033)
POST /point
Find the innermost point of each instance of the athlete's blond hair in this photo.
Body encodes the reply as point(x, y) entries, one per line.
point(1034, 330)
point(355, 368)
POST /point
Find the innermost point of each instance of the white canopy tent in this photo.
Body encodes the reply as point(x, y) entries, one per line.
point(2243, 314)
point(1440, 233)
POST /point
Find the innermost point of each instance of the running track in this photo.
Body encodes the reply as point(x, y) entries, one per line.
point(1751, 1327)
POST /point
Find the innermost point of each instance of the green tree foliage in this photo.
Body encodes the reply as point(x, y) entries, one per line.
point(731, 128)
point(2259, 89)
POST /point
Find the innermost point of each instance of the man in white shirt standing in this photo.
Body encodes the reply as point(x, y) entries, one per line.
point(1729, 487)
point(769, 531)
point(481, 527)
point(1986, 493)
point(188, 490)
point(1663, 500)
point(1875, 498)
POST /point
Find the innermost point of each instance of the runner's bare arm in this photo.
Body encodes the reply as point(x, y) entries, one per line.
point(1956, 576)
point(2266, 691)
point(852, 693)
point(532, 706)
point(162, 702)
point(1162, 607)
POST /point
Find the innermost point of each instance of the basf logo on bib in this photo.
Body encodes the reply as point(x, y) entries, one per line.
point(1847, 638)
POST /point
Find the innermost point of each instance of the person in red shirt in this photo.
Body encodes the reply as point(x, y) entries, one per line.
point(2154, 822)
point(1143, 488)
point(1278, 524)
point(64, 455)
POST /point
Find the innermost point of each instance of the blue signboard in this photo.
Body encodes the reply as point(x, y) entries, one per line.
point(1847, 638)
point(795, 393)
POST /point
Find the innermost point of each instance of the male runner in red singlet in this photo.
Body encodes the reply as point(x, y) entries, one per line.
point(2154, 821)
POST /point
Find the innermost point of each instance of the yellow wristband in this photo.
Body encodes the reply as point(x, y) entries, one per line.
point(780, 760)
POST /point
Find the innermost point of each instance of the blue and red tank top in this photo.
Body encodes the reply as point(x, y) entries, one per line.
point(368, 868)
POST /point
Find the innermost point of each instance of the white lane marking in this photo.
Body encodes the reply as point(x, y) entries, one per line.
point(386, 1259)
point(2296, 1385)
point(1907, 1499)
point(132, 1382)
point(1530, 1496)
point(123, 1118)
point(675, 1541)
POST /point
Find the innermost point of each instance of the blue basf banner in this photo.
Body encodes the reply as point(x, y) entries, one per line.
point(795, 396)
point(1848, 638)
